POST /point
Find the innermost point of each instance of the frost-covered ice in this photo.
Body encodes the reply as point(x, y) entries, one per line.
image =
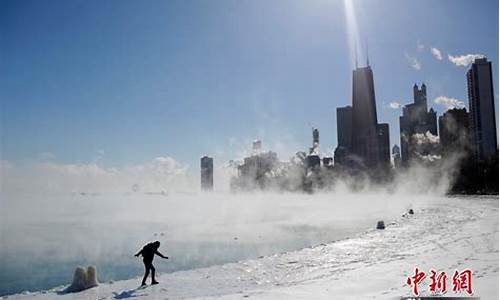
point(446, 234)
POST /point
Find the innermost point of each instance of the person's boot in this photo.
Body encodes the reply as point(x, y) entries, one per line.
point(153, 281)
point(143, 284)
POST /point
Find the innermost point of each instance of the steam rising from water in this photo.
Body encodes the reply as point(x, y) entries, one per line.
point(56, 216)
point(56, 231)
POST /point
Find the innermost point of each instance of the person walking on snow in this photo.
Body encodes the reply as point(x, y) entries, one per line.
point(148, 252)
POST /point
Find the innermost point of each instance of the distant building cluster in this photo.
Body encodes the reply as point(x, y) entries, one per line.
point(462, 133)
point(363, 144)
point(304, 172)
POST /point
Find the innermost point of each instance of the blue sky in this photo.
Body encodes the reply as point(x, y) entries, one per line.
point(121, 82)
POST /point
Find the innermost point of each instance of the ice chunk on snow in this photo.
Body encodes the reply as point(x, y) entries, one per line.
point(82, 280)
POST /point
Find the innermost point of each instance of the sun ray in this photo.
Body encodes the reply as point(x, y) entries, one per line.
point(353, 36)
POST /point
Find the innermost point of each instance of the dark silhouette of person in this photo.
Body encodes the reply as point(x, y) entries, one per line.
point(148, 252)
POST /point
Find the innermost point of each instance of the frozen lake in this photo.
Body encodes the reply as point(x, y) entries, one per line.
point(57, 233)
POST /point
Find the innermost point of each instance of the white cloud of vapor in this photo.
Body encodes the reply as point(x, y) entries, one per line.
point(436, 53)
point(395, 105)
point(414, 62)
point(464, 60)
point(162, 174)
point(425, 138)
point(429, 157)
point(448, 102)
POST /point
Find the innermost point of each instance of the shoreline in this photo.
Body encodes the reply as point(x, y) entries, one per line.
point(332, 269)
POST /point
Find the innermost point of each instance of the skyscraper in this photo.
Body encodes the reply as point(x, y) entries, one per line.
point(364, 117)
point(454, 131)
point(396, 155)
point(315, 136)
point(416, 120)
point(344, 135)
point(313, 159)
point(257, 146)
point(482, 109)
point(207, 173)
point(420, 96)
point(314, 150)
point(384, 146)
point(344, 127)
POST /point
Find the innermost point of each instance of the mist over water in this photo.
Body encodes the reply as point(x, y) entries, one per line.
point(45, 237)
point(56, 217)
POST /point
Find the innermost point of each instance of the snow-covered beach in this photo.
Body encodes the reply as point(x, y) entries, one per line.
point(446, 234)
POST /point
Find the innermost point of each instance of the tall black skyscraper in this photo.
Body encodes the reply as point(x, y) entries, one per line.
point(364, 117)
point(344, 127)
point(207, 173)
point(384, 146)
point(482, 109)
point(344, 135)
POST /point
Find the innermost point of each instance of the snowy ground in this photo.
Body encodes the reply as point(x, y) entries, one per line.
point(449, 234)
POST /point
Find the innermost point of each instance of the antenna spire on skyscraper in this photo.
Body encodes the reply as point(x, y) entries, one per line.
point(367, 56)
point(356, 54)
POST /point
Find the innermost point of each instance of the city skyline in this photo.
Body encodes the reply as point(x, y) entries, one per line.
point(284, 149)
point(131, 104)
